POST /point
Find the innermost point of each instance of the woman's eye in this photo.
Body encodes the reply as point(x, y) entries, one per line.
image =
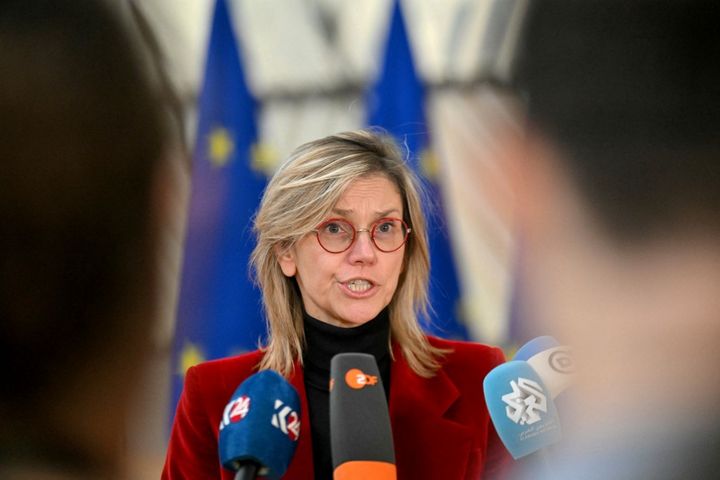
point(336, 228)
point(385, 227)
point(332, 228)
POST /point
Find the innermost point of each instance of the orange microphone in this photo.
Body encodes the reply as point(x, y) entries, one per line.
point(360, 432)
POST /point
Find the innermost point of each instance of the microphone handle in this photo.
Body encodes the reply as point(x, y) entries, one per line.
point(247, 471)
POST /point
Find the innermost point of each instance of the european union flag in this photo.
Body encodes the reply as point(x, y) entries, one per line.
point(219, 311)
point(396, 103)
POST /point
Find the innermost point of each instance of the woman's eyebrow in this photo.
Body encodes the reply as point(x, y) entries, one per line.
point(385, 213)
point(347, 212)
point(342, 212)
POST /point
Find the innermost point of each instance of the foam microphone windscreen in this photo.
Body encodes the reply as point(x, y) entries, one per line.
point(261, 425)
point(521, 409)
point(360, 432)
point(552, 361)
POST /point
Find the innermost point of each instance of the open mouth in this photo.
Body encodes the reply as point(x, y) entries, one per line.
point(358, 285)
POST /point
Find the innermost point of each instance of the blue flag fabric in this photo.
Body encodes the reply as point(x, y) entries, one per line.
point(396, 103)
point(219, 312)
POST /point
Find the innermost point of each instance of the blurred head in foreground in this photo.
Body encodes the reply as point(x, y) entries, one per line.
point(84, 145)
point(619, 203)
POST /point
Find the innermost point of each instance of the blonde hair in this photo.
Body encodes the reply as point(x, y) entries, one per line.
point(300, 195)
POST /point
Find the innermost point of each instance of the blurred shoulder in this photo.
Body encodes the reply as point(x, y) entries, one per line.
point(475, 357)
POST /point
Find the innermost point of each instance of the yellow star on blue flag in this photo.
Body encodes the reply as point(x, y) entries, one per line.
point(190, 356)
point(265, 159)
point(430, 165)
point(220, 146)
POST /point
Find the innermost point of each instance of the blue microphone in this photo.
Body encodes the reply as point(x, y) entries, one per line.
point(260, 427)
point(521, 408)
point(552, 362)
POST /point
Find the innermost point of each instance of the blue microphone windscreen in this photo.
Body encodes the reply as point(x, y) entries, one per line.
point(261, 423)
point(535, 346)
point(521, 408)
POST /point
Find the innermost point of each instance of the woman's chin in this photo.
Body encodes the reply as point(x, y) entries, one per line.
point(357, 317)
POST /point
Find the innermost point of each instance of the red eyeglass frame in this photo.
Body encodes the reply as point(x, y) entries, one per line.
point(370, 231)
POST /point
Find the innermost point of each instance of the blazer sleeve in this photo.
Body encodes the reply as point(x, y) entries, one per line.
point(192, 450)
point(498, 460)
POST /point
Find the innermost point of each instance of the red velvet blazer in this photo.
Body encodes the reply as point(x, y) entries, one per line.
point(441, 427)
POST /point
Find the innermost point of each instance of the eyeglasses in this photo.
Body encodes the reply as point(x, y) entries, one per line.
point(337, 235)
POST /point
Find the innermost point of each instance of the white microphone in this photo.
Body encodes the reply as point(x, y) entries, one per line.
point(552, 362)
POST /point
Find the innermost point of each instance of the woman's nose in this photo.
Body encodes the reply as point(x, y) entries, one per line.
point(362, 250)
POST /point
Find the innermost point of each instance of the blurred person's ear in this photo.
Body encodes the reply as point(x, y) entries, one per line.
point(546, 202)
point(170, 196)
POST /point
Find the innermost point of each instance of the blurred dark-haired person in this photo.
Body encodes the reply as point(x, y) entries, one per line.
point(89, 163)
point(619, 205)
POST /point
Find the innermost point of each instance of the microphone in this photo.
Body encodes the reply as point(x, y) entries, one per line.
point(360, 432)
point(260, 427)
point(552, 362)
point(521, 408)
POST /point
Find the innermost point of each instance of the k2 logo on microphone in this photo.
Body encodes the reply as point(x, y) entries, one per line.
point(287, 420)
point(355, 378)
point(525, 401)
point(235, 411)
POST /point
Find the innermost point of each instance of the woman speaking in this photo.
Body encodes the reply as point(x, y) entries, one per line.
point(342, 261)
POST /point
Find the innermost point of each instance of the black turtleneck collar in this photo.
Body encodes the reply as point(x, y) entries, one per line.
point(322, 342)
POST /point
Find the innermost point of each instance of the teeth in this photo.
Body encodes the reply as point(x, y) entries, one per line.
point(358, 285)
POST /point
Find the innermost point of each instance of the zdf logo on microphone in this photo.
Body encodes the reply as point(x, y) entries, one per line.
point(356, 379)
point(235, 411)
point(286, 420)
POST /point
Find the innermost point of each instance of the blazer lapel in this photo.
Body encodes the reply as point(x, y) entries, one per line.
point(428, 442)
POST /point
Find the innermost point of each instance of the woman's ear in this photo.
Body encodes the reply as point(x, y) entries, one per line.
point(286, 260)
